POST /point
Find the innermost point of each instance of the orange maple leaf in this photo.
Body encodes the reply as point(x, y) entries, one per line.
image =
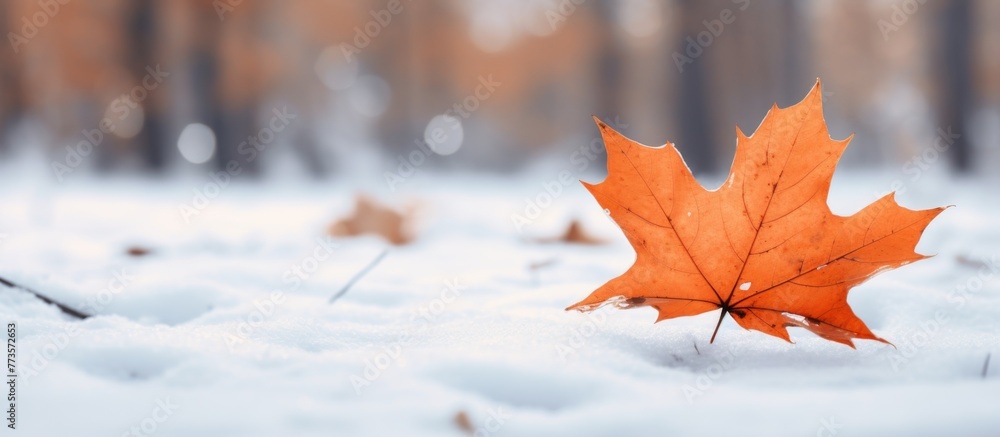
point(764, 246)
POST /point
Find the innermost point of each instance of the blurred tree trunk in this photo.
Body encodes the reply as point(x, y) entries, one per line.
point(143, 29)
point(793, 81)
point(956, 78)
point(610, 61)
point(693, 112)
point(204, 77)
point(11, 101)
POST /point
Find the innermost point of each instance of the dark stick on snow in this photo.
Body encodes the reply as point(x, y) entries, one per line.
point(359, 275)
point(43, 298)
point(986, 365)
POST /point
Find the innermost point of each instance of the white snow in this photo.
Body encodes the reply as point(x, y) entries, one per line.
point(456, 322)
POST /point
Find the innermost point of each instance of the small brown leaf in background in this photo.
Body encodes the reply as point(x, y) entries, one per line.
point(575, 234)
point(463, 423)
point(138, 251)
point(371, 217)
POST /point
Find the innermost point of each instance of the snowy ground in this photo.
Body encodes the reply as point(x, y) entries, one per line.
point(193, 343)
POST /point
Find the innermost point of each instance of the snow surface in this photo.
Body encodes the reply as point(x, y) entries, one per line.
point(402, 353)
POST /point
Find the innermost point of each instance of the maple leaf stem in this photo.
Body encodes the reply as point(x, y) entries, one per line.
point(722, 315)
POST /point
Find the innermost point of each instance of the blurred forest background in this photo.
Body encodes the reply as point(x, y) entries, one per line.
point(366, 78)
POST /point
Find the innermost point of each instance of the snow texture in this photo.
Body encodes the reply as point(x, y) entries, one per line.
point(212, 334)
